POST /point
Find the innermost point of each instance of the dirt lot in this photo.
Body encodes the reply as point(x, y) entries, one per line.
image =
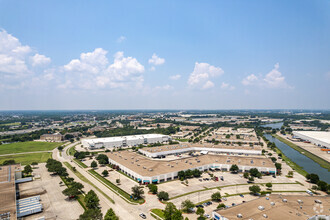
point(55, 204)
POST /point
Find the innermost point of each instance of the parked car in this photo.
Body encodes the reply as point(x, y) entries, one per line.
point(224, 198)
point(199, 206)
point(209, 203)
point(241, 195)
point(143, 216)
point(207, 216)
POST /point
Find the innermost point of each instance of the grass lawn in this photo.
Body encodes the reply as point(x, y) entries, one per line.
point(323, 163)
point(81, 164)
point(25, 159)
point(29, 146)
point(158, 212)
point(115, 188)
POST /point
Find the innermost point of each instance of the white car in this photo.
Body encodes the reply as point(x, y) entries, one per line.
point(143, 216)
point(207, 216)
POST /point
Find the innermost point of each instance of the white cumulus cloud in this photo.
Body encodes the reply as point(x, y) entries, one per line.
point(273, 79)
point(202, 74)
point(38, 60)
point(175, 77)
point(93, 71)
point(155, 60)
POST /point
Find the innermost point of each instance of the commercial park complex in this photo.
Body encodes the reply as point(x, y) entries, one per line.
point(319, 138)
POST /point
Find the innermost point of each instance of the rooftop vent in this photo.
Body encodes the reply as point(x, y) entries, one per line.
point(150, 169)
point(261, 208)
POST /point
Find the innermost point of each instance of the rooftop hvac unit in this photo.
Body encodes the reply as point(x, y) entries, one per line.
point(265, 216)
point(138, 165)
point(261, 208)
point(239, 216)
point(150, 169)
point(144, 167)
point(300, 201)
point(284, 200)
point(272, 203)
point(172, 166)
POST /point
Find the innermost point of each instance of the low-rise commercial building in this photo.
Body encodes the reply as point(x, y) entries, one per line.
point(155, 152)
point(124, 141)
point(146, 170)
point(278, 207)
point(57, 137)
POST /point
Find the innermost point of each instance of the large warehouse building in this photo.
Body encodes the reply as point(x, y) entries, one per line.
point(155, 152)
point(125, 141)
point(319, 138)
point(148, 170)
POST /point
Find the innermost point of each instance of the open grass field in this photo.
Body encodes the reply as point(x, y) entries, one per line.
point(323, 163)
point(159, 213)
point(29, 146)
point(25, 159)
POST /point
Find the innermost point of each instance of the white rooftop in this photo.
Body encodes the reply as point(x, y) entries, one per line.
point(319, 135)
point(121, 138)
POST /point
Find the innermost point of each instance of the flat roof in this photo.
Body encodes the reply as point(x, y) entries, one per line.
point(120, 138)
point(142, 165)
point(319, 135)
point(190, 145)
point(8, 190)
point(280, 210)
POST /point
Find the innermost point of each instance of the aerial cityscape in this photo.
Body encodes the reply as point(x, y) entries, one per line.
point(173, 110)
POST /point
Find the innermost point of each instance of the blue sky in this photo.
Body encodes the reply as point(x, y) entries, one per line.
point(164, 55)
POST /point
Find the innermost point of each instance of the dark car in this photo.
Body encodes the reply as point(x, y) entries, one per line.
point(241, 195)
point(197, 206)
point(209, 203)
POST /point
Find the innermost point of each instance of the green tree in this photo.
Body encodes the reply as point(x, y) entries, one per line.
point(91, 200)
point(94, 164)
point(163, 195)
point(278, 166)
point(269, 185)
point(221, 205)
point(254, 172)
point(216, 196)
point(137, 192)
point(246, 175)
point(91, 214)
point(153, 188)
point(254, 189)
point(322, 185)
point(71, 192)
point(169, 211)
point(105, 173)
point(60, 148)
point(27, 169)
point(187, 205)
point(234, 168)
point(177, 215)
point(313, 178)
point(200, 211)
point(102, 159)
point(111, 215)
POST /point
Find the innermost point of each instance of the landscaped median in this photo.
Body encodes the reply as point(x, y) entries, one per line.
point(323, 163)
point(79, 163)
point(157, 214)
point(221, 187)
point(126, 196)
point(80, 176)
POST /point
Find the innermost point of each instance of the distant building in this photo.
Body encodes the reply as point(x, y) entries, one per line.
point(124, 141)
point(52, 137)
